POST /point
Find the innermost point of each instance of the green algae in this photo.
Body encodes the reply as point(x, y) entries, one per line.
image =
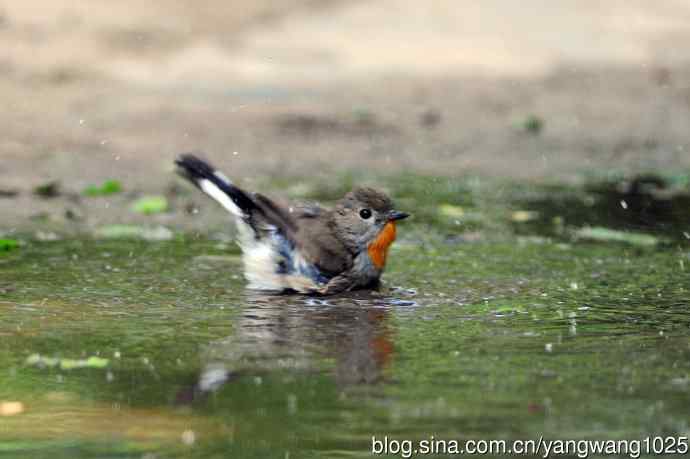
point(608, 235)
point(67, 364)
point(150, 205)
point(8, 244)
point(107, 188)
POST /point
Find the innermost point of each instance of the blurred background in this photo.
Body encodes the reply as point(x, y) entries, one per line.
point(97, 91)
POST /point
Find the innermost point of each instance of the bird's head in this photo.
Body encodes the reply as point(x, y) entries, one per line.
point(365, 220)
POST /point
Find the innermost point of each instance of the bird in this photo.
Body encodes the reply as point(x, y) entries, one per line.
point(303, 247)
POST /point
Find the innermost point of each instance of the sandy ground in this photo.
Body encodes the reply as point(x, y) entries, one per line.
point(99, 90)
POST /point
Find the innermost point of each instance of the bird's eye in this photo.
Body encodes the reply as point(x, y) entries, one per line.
point(365, 213)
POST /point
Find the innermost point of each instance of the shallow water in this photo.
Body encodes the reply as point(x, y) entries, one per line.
point(486, 340)
point(497, 320)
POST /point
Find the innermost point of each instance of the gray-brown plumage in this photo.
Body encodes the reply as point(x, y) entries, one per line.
point(305, 248)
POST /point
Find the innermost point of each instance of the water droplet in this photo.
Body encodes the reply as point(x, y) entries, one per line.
point(624, 204)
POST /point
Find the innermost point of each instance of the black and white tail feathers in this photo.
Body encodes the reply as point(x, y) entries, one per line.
point(216, 185)
point(255, 209)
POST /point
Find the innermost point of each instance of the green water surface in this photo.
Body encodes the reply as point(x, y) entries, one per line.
point(510, 337)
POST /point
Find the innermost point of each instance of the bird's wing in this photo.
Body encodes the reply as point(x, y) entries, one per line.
point(305, 210)
point(320, 246)
point(304, 226)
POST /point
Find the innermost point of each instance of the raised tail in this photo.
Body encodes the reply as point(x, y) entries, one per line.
point(216, 185)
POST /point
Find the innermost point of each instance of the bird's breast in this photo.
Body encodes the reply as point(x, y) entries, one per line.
point(378, 249)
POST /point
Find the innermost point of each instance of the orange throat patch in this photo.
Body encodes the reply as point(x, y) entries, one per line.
point(378, 249)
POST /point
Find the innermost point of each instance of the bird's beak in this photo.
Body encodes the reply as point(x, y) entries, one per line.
point(395, 215)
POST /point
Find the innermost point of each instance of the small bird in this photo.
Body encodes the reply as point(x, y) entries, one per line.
point(304, 248)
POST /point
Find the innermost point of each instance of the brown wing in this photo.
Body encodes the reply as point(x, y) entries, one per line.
point(319, 245)
point(274, 214)
point(308, 227)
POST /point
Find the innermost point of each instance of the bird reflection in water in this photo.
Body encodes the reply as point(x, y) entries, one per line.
point(291, 333)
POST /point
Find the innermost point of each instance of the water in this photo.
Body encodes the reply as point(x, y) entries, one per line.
point(497, 339)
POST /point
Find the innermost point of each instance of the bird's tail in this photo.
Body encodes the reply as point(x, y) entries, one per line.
point(216, 185)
